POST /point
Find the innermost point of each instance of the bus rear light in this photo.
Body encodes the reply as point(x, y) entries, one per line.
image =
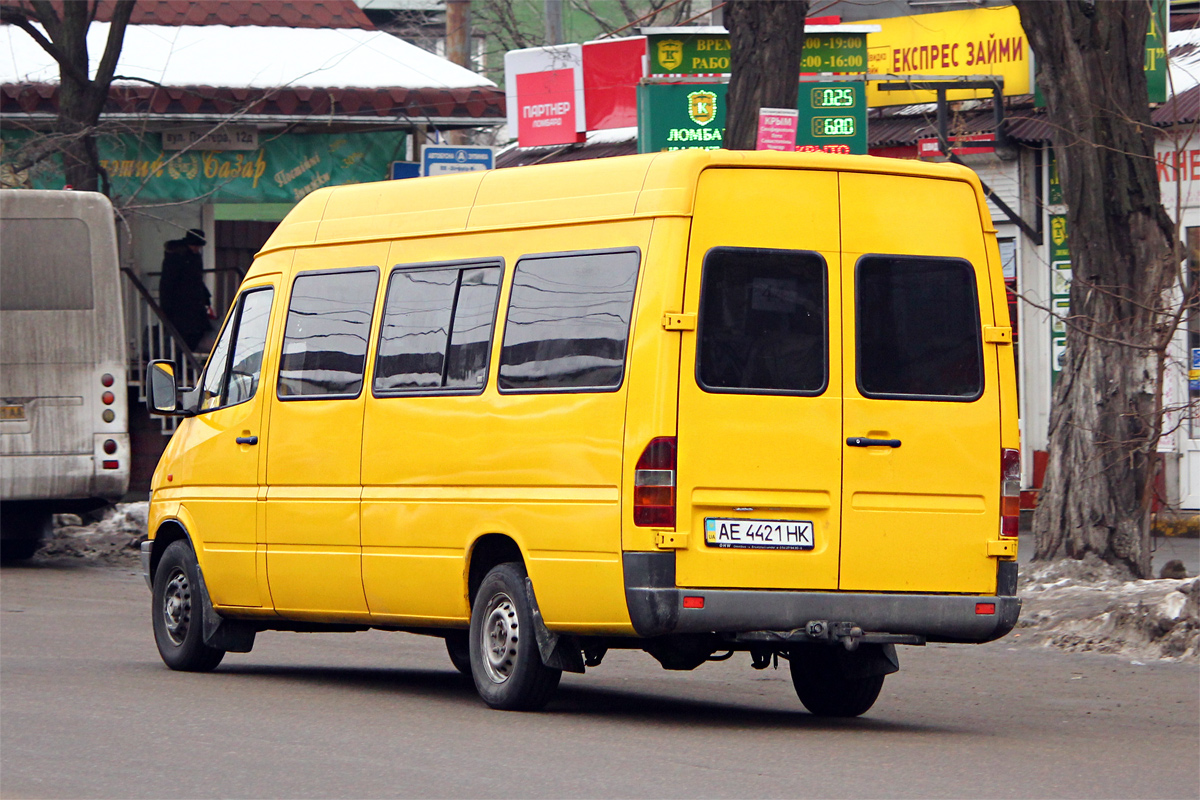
point(106, 379)
point(112, 464)
point(110, 446)
point(108, 415)
point(654, 485)
point(1010, 492)
point(693, 602)
point(985, 608)
point(107, 398)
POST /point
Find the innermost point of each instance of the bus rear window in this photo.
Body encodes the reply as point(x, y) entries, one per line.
point(45, 265)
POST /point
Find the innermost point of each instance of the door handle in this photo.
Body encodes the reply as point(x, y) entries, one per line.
point(862, 441)
point(247, 440)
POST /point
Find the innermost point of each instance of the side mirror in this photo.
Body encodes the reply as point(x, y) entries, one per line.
point(161, 396)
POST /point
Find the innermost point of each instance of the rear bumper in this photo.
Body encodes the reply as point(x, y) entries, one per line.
point(656, 610)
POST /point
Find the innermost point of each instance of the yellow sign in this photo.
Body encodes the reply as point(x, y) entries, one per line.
point(670, 53)
point(977, 41)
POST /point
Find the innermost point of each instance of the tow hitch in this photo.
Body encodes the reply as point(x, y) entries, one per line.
point(848, 634)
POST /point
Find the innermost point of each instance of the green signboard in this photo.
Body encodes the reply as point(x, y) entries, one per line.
point(691, 116)
point(680, 116)
point(282, 169)
point(708, 54)
point(1156, 53)
point(833, 117)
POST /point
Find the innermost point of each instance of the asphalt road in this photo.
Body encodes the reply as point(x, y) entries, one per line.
point(88, 710)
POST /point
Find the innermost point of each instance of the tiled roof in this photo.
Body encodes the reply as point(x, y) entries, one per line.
point(275, 13)
point(325, 105)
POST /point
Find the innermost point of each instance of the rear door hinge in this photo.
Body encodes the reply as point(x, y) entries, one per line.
point(995, 334)
point(670, 540)
point(1004, 548)
point(679, 322)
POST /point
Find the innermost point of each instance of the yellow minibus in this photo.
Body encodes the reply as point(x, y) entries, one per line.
point(695, 403)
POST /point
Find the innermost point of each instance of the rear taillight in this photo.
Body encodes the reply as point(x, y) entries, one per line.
point(654, 485)
point(1010, 492)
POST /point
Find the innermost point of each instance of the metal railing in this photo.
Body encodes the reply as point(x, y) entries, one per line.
point(150, 336)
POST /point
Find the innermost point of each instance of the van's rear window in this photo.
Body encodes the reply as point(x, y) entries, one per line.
point(568, 322)
point(762, 326)
point(325, 341)
point(917, 328)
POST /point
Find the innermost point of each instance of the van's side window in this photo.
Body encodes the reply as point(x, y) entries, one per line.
point(437, 328)
point(229, 382)
point(568, 321)
point(325, 341)
point(762, 326)
point(918, 328)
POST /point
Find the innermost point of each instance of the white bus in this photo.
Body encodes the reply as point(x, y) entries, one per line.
point(64, 442)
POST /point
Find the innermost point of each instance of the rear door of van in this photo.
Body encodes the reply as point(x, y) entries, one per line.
point(760, 407)
point(921, 470)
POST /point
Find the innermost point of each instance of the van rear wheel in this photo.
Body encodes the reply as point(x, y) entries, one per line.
point(505, 661)
point(177, 610)
point(819, 674)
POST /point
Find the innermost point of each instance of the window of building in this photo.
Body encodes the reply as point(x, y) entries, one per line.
point(325, 340)
point(918, 330)
point(229, 382)
point(568, 322)
point(437, 329)
point(762, 326)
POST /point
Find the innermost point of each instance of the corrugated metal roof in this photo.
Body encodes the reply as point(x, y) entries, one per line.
point(265, 13)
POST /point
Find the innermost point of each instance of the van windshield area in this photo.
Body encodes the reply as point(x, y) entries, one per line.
point(762, 326)
point(46, 265)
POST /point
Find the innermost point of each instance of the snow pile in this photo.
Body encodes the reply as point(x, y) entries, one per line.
point(1088, 605)
point(116, 537)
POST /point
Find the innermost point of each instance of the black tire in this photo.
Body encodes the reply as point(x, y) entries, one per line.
point(819, 676)
point(505, 662)
point(25, 530)
point(19, 549)
point(177, 609)
point(458, 648)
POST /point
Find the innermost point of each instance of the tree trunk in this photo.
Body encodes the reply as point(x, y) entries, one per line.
point(766, 40)
point(1107, 411)
point(81, 97)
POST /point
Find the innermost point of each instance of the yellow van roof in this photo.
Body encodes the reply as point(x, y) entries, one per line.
point(654, 184)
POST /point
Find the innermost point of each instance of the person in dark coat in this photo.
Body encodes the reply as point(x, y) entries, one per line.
point(184, 298)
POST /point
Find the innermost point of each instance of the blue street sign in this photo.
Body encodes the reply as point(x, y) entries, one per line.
point(405, 169)
point(447, 160)
point(1194, 372)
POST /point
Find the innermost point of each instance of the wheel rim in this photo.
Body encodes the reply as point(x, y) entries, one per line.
point(177, 605)
point(500, 634)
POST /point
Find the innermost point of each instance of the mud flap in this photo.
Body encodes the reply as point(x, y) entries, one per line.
point(867, 661)
point(231, 635)
point(558, 652)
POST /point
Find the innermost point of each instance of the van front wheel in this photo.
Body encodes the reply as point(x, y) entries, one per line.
point(177, 611)
point(505, 662)
point(819, 674)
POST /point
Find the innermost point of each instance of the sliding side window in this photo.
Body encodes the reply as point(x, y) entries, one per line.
point(568, 322)
point(917, 328)
point(437, 329)
point(325, 342)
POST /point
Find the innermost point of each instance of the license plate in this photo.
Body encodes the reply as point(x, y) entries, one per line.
point(766, 534)
point(12, 412)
